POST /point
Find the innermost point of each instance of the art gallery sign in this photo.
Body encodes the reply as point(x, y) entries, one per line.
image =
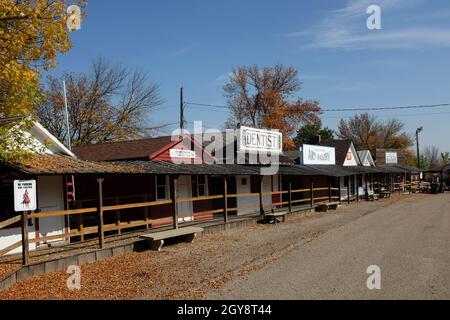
point(259, 140)
point(311, 154)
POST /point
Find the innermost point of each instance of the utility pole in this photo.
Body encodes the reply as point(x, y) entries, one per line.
point(69, 143)
point(181, 110)
point(417, 144)
point(69, 139)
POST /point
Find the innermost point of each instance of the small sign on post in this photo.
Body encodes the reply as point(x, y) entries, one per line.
point(24, 195)
point(25, 201)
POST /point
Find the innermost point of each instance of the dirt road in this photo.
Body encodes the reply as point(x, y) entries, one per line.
point(309, 256)
point(408, 240)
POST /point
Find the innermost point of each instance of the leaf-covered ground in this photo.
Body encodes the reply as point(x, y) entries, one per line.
point(188, 271)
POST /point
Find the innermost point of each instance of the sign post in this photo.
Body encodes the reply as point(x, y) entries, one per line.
point(25, 201)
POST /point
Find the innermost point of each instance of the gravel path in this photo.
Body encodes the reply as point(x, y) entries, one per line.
point(241, 259)
point(408, 240)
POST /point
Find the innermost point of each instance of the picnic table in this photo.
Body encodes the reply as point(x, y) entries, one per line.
point(385, 194)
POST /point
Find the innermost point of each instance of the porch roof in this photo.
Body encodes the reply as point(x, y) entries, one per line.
point(58, 165)
point(331, 170)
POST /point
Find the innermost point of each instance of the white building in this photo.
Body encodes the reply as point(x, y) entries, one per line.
point(50, 197)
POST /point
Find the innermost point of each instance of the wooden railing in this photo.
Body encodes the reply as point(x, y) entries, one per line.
point(99, 229)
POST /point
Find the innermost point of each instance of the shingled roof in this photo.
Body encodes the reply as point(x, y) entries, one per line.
point(341, 148)
point(57, 164)
point(122, 150)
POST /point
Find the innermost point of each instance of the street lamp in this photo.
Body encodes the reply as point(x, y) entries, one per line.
point(417, 144)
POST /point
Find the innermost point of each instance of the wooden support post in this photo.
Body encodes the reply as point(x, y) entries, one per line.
point(312, 193)
point(290, 197)
point(80, 222)
point(357, 187)
point(261, 208)
point(101, 231)
point(410, 182)
point(348, 189)
point(339, 183)
point(25, 248)
point(173, 194)
point(146, 213)
point(330, 196)
point(117, 217)
point(225, 200)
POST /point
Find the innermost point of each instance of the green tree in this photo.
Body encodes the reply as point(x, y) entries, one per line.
point(424, 164)
point(445, 157)
point(309, 133)
point(411, 160)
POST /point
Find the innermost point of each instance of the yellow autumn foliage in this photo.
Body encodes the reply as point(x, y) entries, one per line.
point(32, 34)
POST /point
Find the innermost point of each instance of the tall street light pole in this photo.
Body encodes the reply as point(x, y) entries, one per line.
point(417, 144)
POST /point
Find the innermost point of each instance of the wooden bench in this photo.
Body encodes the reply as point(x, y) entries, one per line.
point(371, 195)
point(274, 216)
point(326, 206)
point(157, 238)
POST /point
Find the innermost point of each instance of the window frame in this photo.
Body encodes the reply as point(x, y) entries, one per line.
point(205, 185)
point(166, 187)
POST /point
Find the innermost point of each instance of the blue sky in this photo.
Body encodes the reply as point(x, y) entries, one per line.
point(196, 43)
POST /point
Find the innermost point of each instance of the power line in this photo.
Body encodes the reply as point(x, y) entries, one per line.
point(206, 105)
point(396, 116)
point(208, 108)
point(343, 109)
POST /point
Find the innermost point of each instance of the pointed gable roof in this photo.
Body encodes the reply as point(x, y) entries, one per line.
point(156, 149)
point(342, 148)
point(366, 158)
point(41, 138)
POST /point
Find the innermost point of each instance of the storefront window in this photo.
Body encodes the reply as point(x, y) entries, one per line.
point(201, 186)
point(162, 187)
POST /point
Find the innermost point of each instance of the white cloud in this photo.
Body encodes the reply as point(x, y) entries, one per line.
point(181, 51)
point(345, 28)
point(314, 77)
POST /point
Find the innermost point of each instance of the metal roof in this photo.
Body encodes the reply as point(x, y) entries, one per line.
point(331, 170)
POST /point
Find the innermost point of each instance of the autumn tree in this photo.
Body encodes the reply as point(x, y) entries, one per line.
point(309, 134)
point(432, 154)
point(108, 103)
point(265, 98)
point(32, 34)
point(367, 132)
